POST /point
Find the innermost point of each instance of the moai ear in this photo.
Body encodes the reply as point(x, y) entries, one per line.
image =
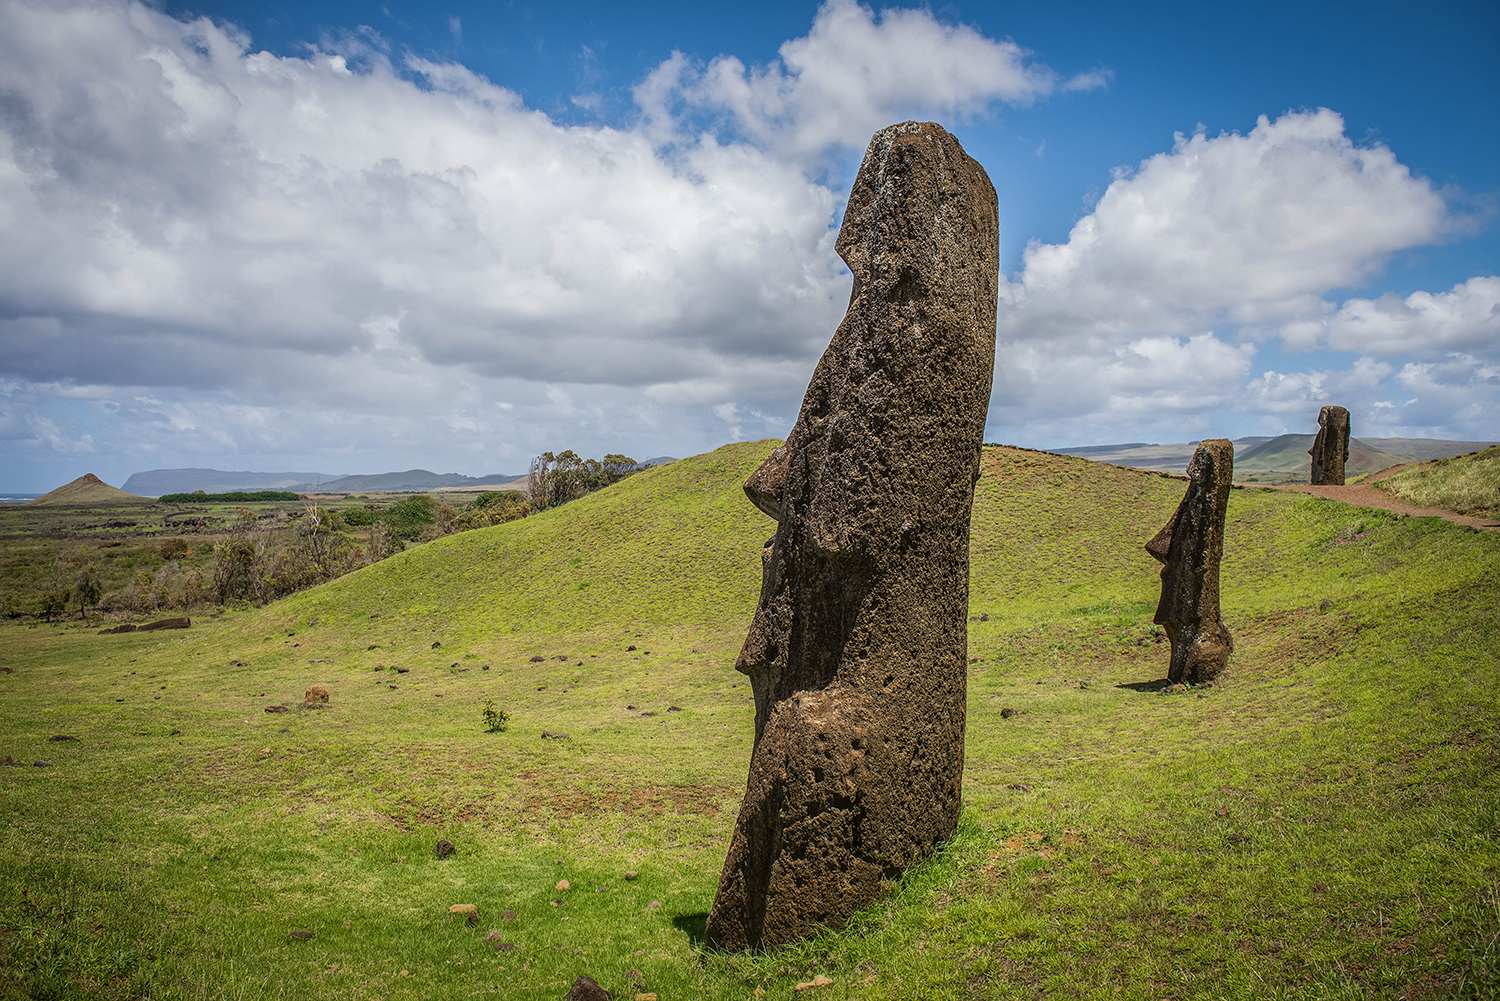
point(765, 485)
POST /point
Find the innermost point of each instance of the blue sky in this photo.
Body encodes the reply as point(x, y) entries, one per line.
point(353, 237)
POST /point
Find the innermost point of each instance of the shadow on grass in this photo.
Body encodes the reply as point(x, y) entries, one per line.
point(1146, 686)
point(692, 925)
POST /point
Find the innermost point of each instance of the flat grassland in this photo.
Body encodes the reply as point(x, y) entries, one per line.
point(1324, 823)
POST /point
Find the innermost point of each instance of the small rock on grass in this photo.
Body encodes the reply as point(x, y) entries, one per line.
point(586, 988)
point(563, 884)
point(445, 848)
point(470, 912)
point(1007, 713)
point(549, 735)
point(654, 905)
point(61, 736)
point(631, 874)
point(300, 933)
point(818, 981)
point(507, 915)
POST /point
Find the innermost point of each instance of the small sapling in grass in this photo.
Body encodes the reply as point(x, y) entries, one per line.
point(494, 719)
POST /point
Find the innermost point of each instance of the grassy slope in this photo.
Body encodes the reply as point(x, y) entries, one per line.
point(1325, 822)
point(1468, 484)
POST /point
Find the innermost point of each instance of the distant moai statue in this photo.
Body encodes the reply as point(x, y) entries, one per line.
point(1190, 548)
point(1331, 447)
point(857, 654)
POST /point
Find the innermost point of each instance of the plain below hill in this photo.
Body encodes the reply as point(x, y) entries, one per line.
point(409, 481)
point(88, 489)
point(155, 482)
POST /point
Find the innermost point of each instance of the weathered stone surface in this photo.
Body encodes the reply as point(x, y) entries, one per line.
point(857, 652)
point(315, 695)
point(1331, 447)
point(1189, 548)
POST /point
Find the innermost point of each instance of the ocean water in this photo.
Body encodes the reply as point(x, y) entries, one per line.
point(17, 498)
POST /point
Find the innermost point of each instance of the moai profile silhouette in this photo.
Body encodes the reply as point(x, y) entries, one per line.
point(858, 651)
point(1330, 448)
point(1190, 548)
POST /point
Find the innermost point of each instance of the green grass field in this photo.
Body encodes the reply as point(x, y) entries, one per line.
point(1324, 823)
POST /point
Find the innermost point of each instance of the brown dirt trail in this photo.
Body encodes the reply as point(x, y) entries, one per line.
point(1365, 495)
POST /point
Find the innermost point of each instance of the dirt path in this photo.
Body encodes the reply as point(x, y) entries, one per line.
point(1365, 495)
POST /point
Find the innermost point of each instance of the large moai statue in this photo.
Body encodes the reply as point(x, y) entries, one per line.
point(1189, 549)
point(1331, 447)
point(857, 652)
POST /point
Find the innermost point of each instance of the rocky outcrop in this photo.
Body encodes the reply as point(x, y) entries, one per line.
point(1330, 448)
point(1190, 548)
point(857, 652)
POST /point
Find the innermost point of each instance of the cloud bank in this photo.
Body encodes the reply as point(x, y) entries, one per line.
point(356, 253)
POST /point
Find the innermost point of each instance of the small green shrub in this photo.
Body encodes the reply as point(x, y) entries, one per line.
point(494, 719)
point(359, 517)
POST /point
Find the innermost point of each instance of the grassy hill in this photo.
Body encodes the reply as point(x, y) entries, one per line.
point(87, 489)
point(1325, 823)
point(1285, 458)
point(1468, 484)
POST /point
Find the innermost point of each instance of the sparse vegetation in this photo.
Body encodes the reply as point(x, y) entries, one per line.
point(1325, 823)
point(1468, 484)
point(494, 719)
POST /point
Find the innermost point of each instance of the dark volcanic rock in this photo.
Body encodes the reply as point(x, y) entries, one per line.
point(445, 848)
point(1189, 548)
point(1330, 448)
point(587, 989)
point(857, 652)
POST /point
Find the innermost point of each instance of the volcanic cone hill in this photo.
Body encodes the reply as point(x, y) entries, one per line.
point(88, 489)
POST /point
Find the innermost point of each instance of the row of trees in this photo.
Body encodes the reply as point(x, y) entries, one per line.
point(557, 479)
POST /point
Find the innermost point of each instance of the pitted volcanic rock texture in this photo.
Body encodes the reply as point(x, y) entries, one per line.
point(1330, 448)
point(1190, 548)
point(857, 653)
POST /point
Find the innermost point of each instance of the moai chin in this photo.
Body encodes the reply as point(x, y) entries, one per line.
point(1190, 548)
point(1330, 448)
point(857, 652)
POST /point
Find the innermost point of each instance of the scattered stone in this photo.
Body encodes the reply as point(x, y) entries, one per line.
point(586, 988)
point(1330, 449)
point(1190, 547)
point(400, 670)
point(857, 653)
point(374, 615)
point(486, 667)
point(178, 623)
point(507, 915)
point(818, 981)
point(654, 905)
point(444, 848)
point(556, 902)
point(631, 874)
point(549, 735)
point(175, 733)
point(56, 737)
point(316, 695)
point(436, 644)
point(538, 659)
point(1007, 713)
point(300, 933)
point(1019, 787)
point(630, 707)
point(984, 616)
point(470, 912)
point(630, 648)
point(6, 761)
point(648, 714)
point(1325, 604)
point(126, 628)
point(276, 709)
point(674, 709)
point(235, 663)
point(563, 884)
point(41, 764)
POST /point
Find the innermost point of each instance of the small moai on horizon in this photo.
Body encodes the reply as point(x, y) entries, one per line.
point(857, 654)
point(1330, 448)
point(1190, 548)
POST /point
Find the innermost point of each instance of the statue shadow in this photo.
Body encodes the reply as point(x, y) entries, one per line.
point(1145, 686)
point(693, 926)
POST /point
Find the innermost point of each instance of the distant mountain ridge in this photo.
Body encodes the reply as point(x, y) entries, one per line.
point(1282, 454)
point(411, 479)
point(155, 482)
